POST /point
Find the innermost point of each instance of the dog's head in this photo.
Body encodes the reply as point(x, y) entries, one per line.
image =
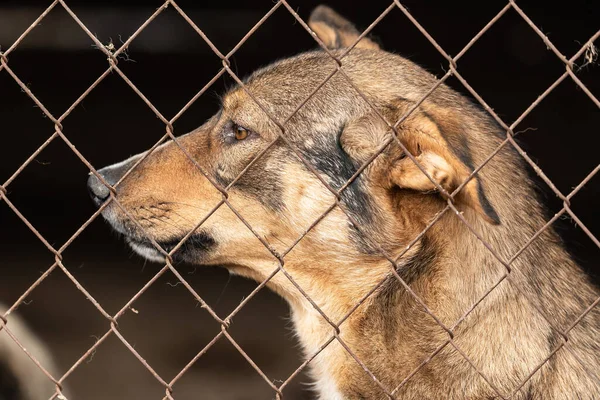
point(281, 181)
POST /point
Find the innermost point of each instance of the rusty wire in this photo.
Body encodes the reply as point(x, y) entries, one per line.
point(279, 258)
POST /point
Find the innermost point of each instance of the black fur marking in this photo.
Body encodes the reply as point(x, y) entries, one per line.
point(221, 179)
point(265, 187)
point(485, 204)
point(460, 146)
point(328, 158)
point(529, 395)
point(9, 387)
point(198, 240)
point(419, 265)
point(268, 190)
point(196, 246)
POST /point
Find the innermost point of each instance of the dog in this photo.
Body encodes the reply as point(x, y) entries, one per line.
point(474, 348)
point(20, 378)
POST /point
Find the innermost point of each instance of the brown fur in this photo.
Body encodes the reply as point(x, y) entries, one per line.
point(336, 264)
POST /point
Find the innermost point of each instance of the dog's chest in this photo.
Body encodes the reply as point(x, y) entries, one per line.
point(313, 332)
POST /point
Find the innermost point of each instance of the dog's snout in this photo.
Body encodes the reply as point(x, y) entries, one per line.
point(111, 175)
point(98, 191)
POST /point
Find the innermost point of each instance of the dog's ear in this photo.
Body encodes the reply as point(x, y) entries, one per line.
point(436, 139)
point(336, 31)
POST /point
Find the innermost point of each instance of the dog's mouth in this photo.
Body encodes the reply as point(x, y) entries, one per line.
point(193, 249)
point(146, 249)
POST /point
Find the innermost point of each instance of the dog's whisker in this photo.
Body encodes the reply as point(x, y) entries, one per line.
point(182, 204)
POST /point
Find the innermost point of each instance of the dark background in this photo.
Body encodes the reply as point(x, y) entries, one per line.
point(509, 67)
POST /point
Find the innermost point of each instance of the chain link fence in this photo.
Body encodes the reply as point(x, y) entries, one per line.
point(113, 56)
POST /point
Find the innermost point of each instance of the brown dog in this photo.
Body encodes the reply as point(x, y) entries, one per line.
point(495, 348)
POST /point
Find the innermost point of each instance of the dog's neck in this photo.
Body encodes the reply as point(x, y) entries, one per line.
point(447, 270)
point(447, 278)
point(370, 304)
point(360, 300)
point(355, 287)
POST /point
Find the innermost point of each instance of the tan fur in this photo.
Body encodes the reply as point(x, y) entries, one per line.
point(337, 264)
point(31, 382)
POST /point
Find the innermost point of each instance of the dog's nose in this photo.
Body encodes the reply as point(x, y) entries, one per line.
point(111, 175)
point(98, 191)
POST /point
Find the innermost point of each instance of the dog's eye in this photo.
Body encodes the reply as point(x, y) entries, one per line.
point(241, 133)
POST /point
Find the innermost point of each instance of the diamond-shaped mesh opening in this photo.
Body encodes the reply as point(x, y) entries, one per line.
point(52, 83)
point(111, 362)
point(204, 376)
point(126, 120)
point(184, 324)
point(21, 19)
point(24, 139)
point(68, 326)
point(250, 47)
point(569, 139)
point(169, 81)
point(276, 358)
point(24, 256)
point(561, 25)
point(55, 170)
point(464, 20)
point(510, 48)
point(410, 42)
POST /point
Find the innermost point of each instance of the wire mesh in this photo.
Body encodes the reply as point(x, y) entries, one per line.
point(112, 56)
